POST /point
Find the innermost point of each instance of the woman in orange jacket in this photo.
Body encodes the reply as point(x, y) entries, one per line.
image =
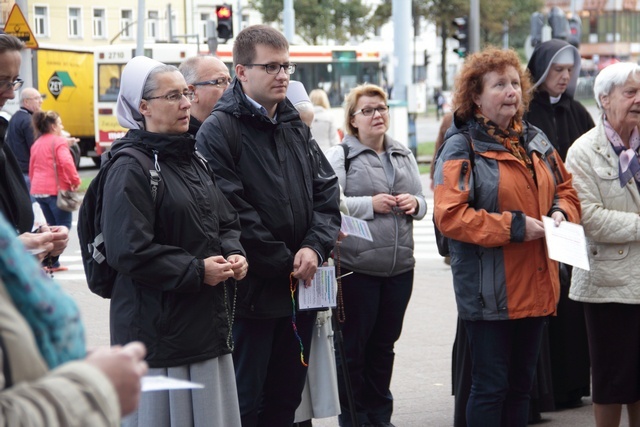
point(495, 178)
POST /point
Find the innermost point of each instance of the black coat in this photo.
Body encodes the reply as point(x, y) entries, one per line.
point(563, 122)
point(15, 203)
point(20, 137)
point(282, 186)
point(159, 296)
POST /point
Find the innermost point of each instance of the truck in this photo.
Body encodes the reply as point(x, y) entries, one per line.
point(66, 78)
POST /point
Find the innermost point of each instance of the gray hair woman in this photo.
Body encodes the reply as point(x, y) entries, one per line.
point(173, 253)
point(606, 174)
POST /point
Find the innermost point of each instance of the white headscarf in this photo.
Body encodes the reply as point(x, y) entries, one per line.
point(134, 77)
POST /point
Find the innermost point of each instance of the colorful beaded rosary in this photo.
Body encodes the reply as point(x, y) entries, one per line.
point(292, 287)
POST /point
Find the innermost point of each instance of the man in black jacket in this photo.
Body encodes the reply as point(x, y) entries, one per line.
point(287, 195)
point(20, 135)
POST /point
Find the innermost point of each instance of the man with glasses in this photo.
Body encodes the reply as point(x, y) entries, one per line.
point(208, 77)
point(287, 195)
point(20, 136)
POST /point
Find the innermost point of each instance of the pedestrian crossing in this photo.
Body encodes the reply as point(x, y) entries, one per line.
point(423, 236)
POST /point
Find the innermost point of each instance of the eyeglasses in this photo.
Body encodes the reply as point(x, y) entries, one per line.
point(275, 68)
point(383, 110)
point(15, 85)
point(221, 82)
point(174, 96)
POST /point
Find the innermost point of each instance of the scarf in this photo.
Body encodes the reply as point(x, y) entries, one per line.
point(52, 315)
point(509, 138)
point(628, 163)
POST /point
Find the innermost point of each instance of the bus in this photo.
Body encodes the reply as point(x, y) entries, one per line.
point(336, 69)
point(108, 64)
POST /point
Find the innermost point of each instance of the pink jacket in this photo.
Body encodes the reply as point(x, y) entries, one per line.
point(41, 173)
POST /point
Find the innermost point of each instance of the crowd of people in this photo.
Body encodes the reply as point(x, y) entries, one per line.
point(256, 178)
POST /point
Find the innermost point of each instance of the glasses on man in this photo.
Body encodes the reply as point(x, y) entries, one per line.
point(275, 68)
point(173, 96)
point(7, 84)
point(221, 83)
point(367, 112)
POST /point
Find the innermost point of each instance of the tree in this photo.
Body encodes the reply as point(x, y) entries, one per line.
point(321, 20)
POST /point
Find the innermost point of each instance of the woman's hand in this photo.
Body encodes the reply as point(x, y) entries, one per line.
point(534, 229)
point(558, 217)
point(383, 203)
point(60, 238)
point(39, 244)
point(216, 270)
point(239, 265)
point(407, 203)
point(124, 367)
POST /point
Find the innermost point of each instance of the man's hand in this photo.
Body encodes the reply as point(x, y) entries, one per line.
point(239, 265)
point(216, 270)
point(305, 264)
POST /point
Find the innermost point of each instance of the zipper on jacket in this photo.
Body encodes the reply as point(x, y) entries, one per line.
point(463, 175)
point(480, 297)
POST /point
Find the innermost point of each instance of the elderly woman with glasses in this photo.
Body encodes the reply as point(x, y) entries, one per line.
point(382, 186)
point(496, 176)
point(174, 253)
point(605, 165)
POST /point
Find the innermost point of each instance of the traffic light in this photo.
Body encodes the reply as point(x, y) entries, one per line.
point(225, 22)
point(558, 23)
point(426, 58)
point(575, 31)
point(537, 22)
point(461, 33)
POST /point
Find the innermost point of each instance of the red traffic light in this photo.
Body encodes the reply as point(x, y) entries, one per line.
point(223, 12)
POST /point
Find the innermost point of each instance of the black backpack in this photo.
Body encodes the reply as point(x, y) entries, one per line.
point(441, 241)
point(100, 275)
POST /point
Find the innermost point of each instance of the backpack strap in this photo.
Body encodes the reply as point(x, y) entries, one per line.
point(154, 172)
point(347, 160)
point(155, 183)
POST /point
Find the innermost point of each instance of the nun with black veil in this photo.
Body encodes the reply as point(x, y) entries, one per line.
point(554, 68)
point(177, 255)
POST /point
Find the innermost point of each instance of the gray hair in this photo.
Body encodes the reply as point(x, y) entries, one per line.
point(152, 85)
point(613, 76)
point(189, 69)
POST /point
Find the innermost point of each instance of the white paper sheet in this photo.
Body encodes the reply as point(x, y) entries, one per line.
point(566, 243)
point(321, 293)
point(355, 227)
point(159, 382)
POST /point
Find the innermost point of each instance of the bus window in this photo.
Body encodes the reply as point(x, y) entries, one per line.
point(109, 82)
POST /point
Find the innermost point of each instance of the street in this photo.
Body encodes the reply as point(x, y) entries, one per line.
point(422, 377)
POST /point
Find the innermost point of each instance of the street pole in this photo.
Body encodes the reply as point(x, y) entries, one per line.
point(401, 11)
point(474, 26)
point(27, 65)
point(288, 18)
point(140, 29)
